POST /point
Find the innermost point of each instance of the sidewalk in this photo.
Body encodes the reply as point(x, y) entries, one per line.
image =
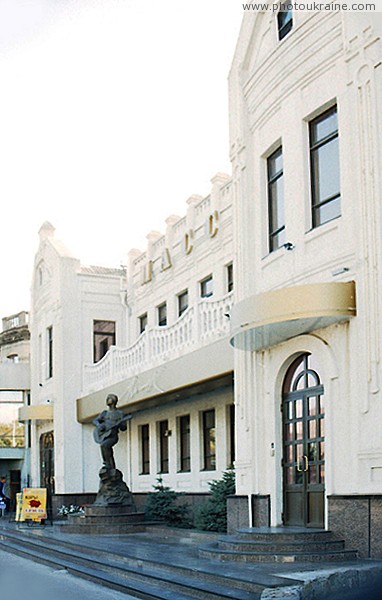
point(168, 548)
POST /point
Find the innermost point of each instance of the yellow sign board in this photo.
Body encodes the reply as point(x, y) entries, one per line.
point(33, 504)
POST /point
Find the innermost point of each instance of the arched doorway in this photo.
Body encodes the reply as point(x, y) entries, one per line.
point(303, 445)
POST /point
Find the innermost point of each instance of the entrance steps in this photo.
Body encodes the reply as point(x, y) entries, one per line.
point(279, 544)
point(143, 567)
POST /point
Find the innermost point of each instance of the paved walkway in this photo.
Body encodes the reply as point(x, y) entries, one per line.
point(40, 582)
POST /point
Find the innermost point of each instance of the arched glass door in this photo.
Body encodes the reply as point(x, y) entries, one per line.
point(304, 445)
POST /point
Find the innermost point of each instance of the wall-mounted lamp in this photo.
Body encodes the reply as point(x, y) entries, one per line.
point(288, 246)
point(340, 271)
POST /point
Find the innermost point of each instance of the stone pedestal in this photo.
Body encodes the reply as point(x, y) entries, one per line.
point(113, 511)
point(113, 491)
point(105, 521)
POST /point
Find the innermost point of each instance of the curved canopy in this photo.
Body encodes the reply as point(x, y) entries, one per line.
point(270, 318)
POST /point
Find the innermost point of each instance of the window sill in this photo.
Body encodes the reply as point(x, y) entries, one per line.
point(320, 230)
point(273, 256)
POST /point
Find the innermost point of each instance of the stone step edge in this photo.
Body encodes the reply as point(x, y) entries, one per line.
point(156, 575)
point(216, 550)
point(275, 543)
point(118, 583)
point(256, 534)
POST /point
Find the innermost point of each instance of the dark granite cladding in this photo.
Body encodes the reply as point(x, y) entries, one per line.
point(194, 501)
point(59, 500)
point(237, 513)
point(358, 520)
point(349, 518)
point(261, 511)
point(376, 526)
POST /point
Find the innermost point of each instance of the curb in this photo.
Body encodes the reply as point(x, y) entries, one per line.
point(360, 583)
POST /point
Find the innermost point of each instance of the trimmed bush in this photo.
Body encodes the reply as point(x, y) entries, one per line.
point(162, 505)
point(212, 516)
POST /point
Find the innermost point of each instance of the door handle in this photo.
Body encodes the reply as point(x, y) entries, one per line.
point(303, 464)
point(306, 463)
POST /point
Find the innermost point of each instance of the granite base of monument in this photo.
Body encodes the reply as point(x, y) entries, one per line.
point(113, 511)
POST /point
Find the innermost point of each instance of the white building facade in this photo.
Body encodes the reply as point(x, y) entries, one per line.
point(175, 375)
point(156, 333)
point(283, 260)
point(305, 131)
point(69, 303)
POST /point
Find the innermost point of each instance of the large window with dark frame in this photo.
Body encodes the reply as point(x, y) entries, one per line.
point(276, 214)
point(284, 22)
point(49, 352)
point(231, 431)
point(103, 338)
point(163, 446)
point(229, 274)
point(142, 323)
point(209, 440)
point(325, 168)
point(162, 314)
point(184, 444)
point(145, 449)
point(206, 287)
point(182, 302)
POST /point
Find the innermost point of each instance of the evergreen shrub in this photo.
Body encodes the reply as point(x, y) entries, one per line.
point(162, 505)
point(212, 516)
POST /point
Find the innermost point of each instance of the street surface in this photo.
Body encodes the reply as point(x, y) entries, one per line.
point(23, 578)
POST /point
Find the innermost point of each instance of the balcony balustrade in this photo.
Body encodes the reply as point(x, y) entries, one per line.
point(199, 326)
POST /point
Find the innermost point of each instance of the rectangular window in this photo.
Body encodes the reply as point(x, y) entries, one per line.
point(145, 450)
point(182, 302)
point(49, 352)
point(206, 287)
point(231, 417)
point(142, 323)
point(209, 440)
point(229, 272)
point(325, 167)
point(284, 22)
point(163, 446)
point(103, 338)
point(276, 216)
point(185, 443)
point(162, 314)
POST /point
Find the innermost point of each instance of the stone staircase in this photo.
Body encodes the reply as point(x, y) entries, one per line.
point(140, 566)
point(279, 544)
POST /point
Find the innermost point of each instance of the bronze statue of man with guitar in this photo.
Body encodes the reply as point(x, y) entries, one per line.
point(108, 424)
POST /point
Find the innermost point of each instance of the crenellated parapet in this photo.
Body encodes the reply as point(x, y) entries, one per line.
point(184, 237)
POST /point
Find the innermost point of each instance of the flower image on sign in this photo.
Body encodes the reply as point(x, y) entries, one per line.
point(33, 504)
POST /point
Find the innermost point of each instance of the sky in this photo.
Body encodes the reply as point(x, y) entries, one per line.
point(112, 113)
